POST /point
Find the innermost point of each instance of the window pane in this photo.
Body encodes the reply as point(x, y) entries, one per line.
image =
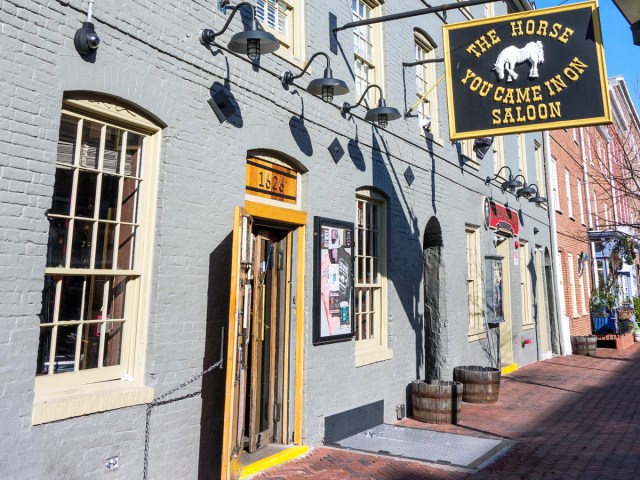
point(104, 245)
point(90, 148)
point(67, 139)
point(133, 156)
point(86, 196)
point(81, 247)
point(130, 192)
point(71, 298)
point(95, 298)
point(126, 247)
point(90, 348)
point(112, 344)
point(48, 299)
point(117, 297)
point(44, 350)
point(109, 197)
point(61, 203)
point(56, 246)
point(112, 143)
point(65, 349)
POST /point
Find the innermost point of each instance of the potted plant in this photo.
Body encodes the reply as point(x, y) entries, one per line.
point(603, 300)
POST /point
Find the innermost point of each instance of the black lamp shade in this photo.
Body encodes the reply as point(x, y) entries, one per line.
point(511, 184)
point(526, 191)
point(538, 199)
point(253, 43)
point(382, 114)
point(327, 87)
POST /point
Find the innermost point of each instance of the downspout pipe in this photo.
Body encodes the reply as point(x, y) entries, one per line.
point(562, 320)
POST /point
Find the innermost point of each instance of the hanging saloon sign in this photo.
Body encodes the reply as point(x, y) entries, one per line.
point(524, 72)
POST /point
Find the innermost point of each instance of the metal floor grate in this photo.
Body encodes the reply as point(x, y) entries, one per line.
point(425, 445)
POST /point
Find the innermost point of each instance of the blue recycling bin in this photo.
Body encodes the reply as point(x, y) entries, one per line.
point(603, 325)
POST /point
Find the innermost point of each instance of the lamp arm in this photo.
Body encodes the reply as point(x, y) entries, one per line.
point(207, 36)
point(289, 77)
point(346, 107)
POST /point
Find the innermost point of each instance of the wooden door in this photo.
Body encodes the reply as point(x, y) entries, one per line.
point(506, 327)
point(237, 345)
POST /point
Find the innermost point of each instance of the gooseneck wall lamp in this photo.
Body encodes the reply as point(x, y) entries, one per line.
point(252, 42)
point(537, 199)
point(526, 191)
point(326, 87)
point(381, 114)
point(511, 184)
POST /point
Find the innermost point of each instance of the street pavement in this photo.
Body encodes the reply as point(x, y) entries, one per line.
point(571, 418)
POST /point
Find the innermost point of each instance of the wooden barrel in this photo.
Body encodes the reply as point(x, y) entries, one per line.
point(584, 345)
point(436, 401)
point(481, 384)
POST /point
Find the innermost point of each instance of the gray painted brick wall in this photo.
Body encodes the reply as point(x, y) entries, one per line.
point(150, 56)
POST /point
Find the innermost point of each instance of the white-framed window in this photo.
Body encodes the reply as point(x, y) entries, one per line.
point(595, 210)
point(607, 215)
point(525, 285)
point(540, 178)
point(522, 154)
point(367, 49)
point(489, 10)
point(561, 275)
point(95, 293)
point(370, 277)
point(425, 82)
point(285, 20)
point(555, 197)
point(581, 286)
point(475, 296)
point(466, 148)
point(574, 133)
point(580, 201)
point(498, 155)
point(567, 186)
point(572, 285)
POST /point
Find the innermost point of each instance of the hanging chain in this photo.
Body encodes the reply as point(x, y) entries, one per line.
point(161, 401)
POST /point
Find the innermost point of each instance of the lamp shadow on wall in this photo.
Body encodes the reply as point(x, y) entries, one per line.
point(406, 268)
point(299, 131)
point(355, 153)
point(222, 101)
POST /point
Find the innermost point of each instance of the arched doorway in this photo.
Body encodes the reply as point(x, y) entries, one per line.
point(434, 301)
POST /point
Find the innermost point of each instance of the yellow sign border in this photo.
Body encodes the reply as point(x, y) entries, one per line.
point(583, 122)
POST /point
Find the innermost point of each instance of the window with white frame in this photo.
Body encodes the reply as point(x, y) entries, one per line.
point(285, 20)
point(567, 187)
point(426, 82)
point(607, 215)
point(580, 201)
point(583, 299)
point(99, 245)
point(595, 210)
point(572, 285)
point(370, 275)
point(522, 154)
point(540, 179)
point(367, 49)
point(498, 155)
point(489, 10)
point(554, 183)
point(475, 295)
point(525, 285)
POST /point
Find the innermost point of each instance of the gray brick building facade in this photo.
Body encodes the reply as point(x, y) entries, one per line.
point(151, 63)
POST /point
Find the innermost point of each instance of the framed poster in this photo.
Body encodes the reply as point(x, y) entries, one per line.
point(333, 281)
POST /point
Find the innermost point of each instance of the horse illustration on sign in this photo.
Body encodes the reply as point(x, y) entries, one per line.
point(532, 52)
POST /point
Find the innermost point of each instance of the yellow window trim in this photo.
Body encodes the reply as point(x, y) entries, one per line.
point(61, 396)
point(88, 399)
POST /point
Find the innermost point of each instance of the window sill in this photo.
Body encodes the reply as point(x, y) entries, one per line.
point(88, 399)
point(367, 356)
point(528, 326)
point(475, 336)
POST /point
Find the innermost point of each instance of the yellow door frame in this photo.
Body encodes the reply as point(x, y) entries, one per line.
point(299, 219)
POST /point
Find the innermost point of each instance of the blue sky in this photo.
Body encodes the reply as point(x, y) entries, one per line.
point(621, 55)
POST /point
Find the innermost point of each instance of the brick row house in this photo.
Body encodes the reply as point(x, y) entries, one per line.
point(594, 197)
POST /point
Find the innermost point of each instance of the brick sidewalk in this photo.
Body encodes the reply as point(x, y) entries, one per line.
point(571, 417)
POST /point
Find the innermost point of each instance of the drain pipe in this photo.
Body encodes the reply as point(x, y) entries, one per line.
point(561, 319)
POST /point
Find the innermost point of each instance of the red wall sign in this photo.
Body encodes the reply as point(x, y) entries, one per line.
point(500, 218)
